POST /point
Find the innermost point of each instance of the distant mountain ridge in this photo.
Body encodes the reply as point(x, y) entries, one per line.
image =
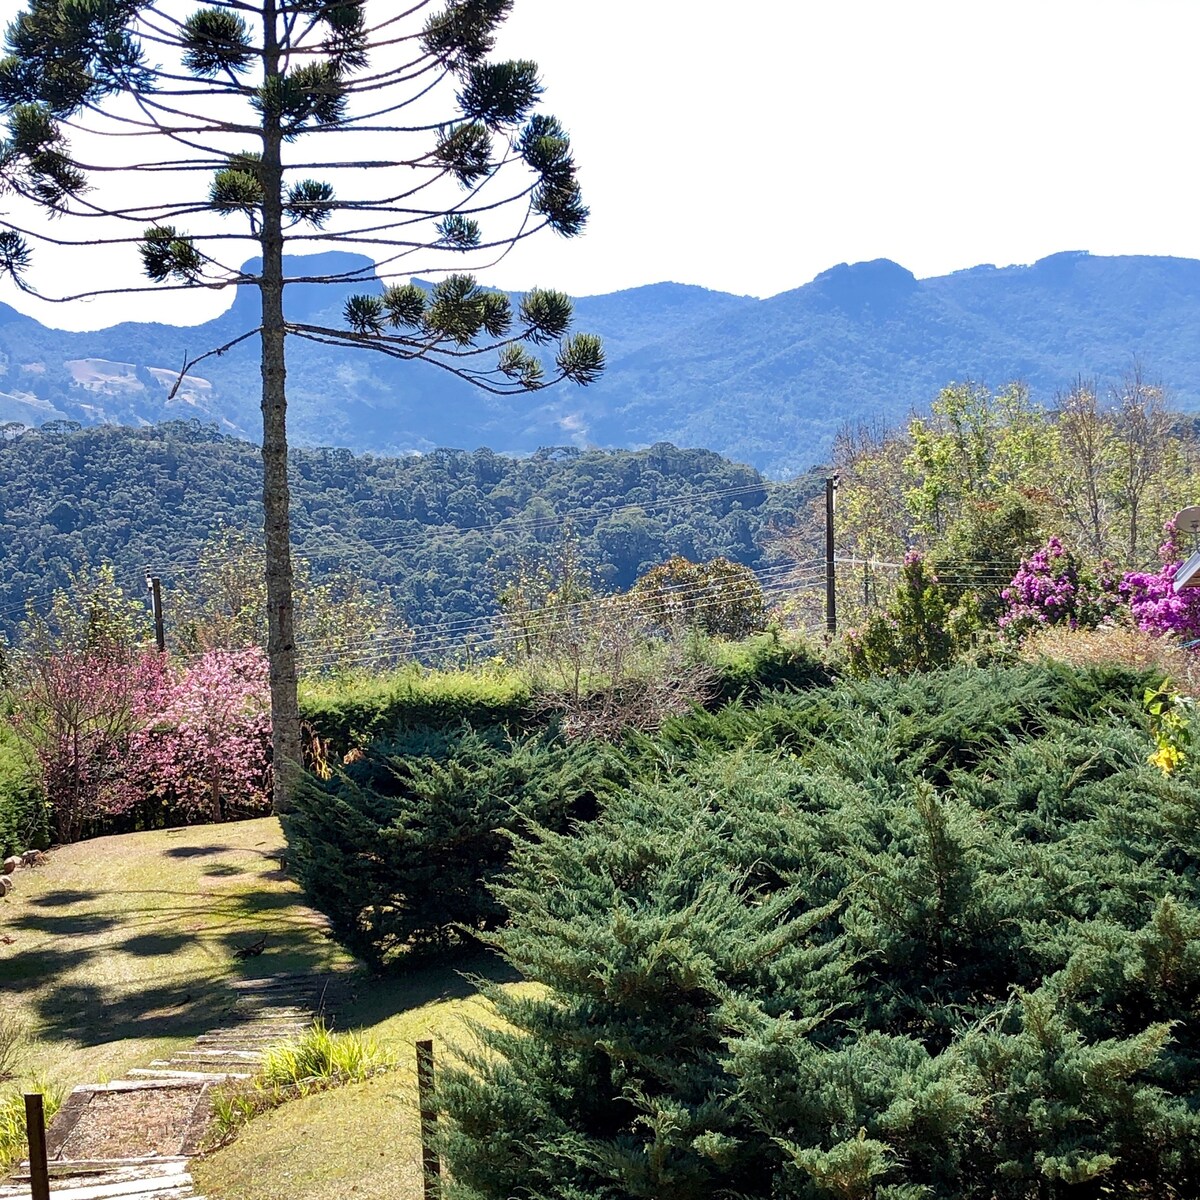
point(766, 382)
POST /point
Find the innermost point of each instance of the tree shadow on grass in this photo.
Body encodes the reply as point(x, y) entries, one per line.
point(371, 1000)
point(161, 964)
point(199, 851)
point(66, 924)
point(182, 1005)
point(62, 899)
point(151, 945)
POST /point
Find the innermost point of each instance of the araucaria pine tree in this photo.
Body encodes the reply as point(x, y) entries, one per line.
point(185, 133)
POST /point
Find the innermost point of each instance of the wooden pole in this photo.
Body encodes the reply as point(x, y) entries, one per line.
point(429, 1156)
point(830, 583)
point(39, 1167)
point(154, 587)
point(160, 633)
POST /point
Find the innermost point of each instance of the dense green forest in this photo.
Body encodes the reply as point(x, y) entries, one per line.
point(440, 533)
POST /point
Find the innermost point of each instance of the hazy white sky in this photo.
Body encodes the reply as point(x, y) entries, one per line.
point(749, 146)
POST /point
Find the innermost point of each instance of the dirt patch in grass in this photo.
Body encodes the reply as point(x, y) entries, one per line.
point(131, 1124)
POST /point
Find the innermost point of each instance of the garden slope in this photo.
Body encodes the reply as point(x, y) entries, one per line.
point(122, 949)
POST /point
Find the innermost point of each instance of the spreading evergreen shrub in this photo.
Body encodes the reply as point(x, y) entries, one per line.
point(935, 939)
point(400, 848)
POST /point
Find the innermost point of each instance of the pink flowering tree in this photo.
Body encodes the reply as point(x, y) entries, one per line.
point(81, 674)
point(77, 709)
point(203, 742)
point(1153, 602)
point(1051, 588)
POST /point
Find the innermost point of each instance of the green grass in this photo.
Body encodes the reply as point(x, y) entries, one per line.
point(360, 1140)
point(13, 1143)
point(122, 948)
point(321, 1059)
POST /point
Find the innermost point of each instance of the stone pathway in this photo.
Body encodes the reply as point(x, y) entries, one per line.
point(131, 1139)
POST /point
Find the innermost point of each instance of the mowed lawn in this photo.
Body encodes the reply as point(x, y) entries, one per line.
point(121, 949)
point(362, 1140)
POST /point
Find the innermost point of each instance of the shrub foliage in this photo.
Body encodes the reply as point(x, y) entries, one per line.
point(906, 939)
point(400, 847)
point(24, 814)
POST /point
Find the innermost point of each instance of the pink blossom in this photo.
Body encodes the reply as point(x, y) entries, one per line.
point(1049, 588)
point(1153, 601)
point(204, 735)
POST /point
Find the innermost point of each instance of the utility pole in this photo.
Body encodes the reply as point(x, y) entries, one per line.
point(154, 587)
point(830, 582)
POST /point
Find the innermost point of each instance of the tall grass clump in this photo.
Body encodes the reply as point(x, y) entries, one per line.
point(1116, 646)
point(320, 1060)
point(323, 1058)
point(14, 1144)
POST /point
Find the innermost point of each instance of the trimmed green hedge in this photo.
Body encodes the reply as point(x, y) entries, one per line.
point(355, 712)
point(24, 814)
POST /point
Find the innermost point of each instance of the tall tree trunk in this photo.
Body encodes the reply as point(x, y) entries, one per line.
point(281, 635)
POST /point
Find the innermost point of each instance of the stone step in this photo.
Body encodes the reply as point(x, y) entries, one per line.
point(148, 1187)
point(259, 1029)
point(217, 1064)
point(127, 1085)
point(89, 1170)
point(293, 1012)
point(186, 1076)
point(250, 1056)
point(277, 986)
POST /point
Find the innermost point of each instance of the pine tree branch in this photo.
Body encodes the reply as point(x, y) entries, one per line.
point(189, 363)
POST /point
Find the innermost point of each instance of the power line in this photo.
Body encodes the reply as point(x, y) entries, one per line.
point(425, 642)
point(453, 633)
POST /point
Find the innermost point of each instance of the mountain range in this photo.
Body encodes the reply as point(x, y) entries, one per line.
point(766, 382)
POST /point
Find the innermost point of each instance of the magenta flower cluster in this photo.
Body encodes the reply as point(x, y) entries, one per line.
point(1153, 602)
point(1049, 588)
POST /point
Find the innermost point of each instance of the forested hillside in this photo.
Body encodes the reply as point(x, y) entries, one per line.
point(439, 532)
point(767, 382)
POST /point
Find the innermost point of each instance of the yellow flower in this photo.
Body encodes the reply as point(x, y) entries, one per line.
point(1166, 758)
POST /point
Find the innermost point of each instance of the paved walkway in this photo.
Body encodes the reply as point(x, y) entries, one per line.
point(132, 1139)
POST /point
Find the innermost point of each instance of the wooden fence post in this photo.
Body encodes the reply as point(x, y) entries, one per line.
point(35, 1130)
point(432, 1167)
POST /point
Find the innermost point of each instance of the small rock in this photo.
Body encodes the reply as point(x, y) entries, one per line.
point(6, 885)
point(10, 864)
